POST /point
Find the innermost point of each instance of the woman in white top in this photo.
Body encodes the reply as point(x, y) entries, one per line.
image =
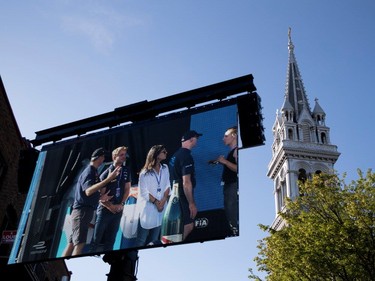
point(154, 191)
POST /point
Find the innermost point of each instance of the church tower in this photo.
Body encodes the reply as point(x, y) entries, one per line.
point(301, 140)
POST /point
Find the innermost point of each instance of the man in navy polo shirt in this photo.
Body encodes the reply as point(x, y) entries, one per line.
point(86, 200)
point(182, 170)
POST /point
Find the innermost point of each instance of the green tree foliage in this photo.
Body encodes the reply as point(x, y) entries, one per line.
point(330, 233)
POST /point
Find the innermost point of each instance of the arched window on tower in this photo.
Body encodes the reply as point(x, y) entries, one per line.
point(278, 195)
point(290, 115)
point(283, 192)
point(281, 195)
point(285, 115)
point(279, 198)
point(319, 119)
point(302, 175)
point(323, 138)
point(290, 134)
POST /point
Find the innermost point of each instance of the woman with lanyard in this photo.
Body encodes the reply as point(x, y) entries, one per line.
point(154, 191)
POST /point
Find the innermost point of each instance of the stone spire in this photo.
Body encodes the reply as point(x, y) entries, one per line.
point(295, 90)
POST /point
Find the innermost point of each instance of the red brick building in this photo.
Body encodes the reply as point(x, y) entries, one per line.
point(17, 160)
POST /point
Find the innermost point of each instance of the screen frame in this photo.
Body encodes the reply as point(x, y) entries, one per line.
point(30, 206)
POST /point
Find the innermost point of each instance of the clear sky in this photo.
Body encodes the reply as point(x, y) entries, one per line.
point(65, 60)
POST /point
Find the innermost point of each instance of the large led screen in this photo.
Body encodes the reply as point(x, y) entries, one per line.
point(49, 215)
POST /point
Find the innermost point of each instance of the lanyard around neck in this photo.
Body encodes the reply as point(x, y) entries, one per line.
point(158, 177)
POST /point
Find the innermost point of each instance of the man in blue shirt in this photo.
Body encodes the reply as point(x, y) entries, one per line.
point(86, 200)
point(182, 170)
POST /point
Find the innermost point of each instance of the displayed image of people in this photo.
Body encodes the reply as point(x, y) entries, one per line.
point(230, 178)
point(92, 198)
point(86, 199)
point(182, 171)
point(154, 191)
point(109, 212)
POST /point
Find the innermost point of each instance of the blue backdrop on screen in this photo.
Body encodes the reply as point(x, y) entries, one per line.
point(209, 192)
point(45, 222)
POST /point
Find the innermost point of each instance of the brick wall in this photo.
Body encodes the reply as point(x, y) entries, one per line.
point(11, 144)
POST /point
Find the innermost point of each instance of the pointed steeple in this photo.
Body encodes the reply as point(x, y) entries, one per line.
point(318, 114)
point(295, 90)
point(286, 104)
point(318, 109)
point(302, 145)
